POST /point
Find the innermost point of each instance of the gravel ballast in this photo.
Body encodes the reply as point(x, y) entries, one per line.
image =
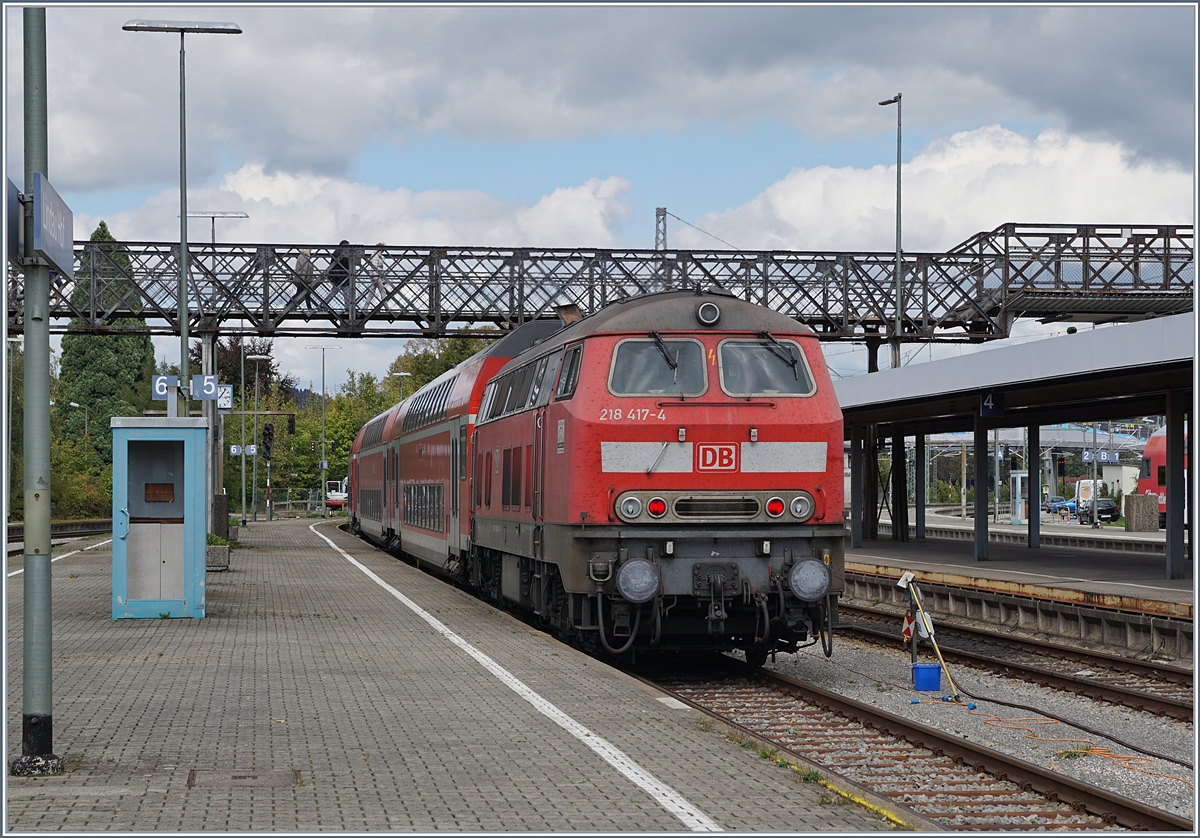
point(883, 678)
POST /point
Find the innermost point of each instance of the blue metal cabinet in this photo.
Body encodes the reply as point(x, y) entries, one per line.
point(159, 533)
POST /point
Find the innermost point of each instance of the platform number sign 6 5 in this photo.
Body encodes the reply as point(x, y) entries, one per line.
point(204, 388)
point(159, 385)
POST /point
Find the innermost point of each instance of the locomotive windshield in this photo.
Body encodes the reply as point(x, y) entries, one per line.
point(658, 367)
point(766, 367)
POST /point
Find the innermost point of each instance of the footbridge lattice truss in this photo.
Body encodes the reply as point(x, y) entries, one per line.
point(972, 292)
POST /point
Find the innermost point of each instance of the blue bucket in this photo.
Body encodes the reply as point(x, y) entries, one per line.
point(927, 677)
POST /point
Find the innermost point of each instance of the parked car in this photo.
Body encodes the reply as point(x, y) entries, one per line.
point(1065, 508)
point(1053, 501)
point(1106, 510)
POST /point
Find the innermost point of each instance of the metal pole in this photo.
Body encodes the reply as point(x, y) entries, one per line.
point(184, 381)
point(981, 488)
point(254, 479)
point(996, 461)
point(899, 327)
point(899, 264)
point(8, 344)
point(962, 485)
point(324, 462)
point(37, 718)
point(242, 346)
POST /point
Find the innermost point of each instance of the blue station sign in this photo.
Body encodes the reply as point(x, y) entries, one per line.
point(53, 228)
point(15, 230)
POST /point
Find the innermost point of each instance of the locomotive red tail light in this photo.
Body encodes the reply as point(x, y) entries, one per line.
point(775, 507)
point(657, 507)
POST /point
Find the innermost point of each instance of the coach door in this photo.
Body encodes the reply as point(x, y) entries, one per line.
point(458, 481)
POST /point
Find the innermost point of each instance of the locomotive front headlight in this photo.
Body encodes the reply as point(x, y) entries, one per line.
point(657, 507)
point(708, 313)
point(803, 506)
point(629, 508)
point(809, 580)
point(775, 507)
point(638, 581)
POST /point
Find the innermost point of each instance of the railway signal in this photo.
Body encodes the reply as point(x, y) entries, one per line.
point(268, 440)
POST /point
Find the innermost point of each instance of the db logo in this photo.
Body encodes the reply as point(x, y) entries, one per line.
point(717, 457)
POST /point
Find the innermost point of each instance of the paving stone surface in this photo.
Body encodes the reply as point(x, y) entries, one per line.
point(304, 664)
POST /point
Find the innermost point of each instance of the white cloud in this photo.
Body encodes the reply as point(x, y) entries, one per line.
point(304, 208)
point(973, 181)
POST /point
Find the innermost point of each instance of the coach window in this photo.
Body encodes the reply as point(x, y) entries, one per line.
point(765, 367)
point(506, 480)
point(462, 452)
point(657, 367)
point(495, 402)
point(1162, 475)
point(535, 386)
point(546, 388)
point(528, 476)
point(569, 378)
point(518, 396)
point(485, 404)
point(487, 480)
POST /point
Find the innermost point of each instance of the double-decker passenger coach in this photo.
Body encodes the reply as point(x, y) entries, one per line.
point(666, 473)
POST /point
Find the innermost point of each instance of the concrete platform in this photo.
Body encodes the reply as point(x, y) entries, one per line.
point(1112, 597)
point(313, 698)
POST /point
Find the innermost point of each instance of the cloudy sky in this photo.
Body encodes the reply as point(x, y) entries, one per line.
point(567, 126)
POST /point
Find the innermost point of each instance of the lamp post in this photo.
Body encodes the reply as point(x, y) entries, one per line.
point(324, 462)
point(214, 216)
point(85, 415)
point(402, 376)
point(254, 479)
point(895, 100)
point(8, 433)
point(183, 27)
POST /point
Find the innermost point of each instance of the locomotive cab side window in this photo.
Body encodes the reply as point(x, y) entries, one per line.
point(569, 378)
point(546, 387)
point(764, 367)
point(657, 366)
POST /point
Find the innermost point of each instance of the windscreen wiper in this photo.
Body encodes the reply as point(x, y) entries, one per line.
point(784, 353)
point(672, 362)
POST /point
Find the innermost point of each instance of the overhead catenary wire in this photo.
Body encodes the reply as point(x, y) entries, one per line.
point(705, 232)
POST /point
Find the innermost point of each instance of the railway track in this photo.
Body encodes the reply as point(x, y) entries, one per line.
point(61, 529)
point(1157, 688)
point(954, 783)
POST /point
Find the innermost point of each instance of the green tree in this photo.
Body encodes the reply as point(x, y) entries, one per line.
point(427, 358)
point(107, 373)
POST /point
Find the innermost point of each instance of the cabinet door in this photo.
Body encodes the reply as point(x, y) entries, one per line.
point(142, 562)
point(171, 561)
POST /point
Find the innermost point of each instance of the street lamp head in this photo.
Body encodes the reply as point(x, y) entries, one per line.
point(211, 27)
point(258, 357)
point(73, 404)
point(891, 101)
point(402, 375)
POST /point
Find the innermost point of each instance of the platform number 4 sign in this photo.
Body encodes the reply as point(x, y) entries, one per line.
point(991, 404)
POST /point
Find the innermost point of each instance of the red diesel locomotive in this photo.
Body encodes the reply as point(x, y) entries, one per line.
point(664, 474)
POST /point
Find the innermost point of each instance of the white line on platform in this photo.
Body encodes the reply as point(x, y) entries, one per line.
point(670, 799)
point(63, 556)
point(964, 570)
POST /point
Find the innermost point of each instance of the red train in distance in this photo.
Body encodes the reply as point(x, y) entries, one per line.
point(663, 474)
point(1152, 480)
